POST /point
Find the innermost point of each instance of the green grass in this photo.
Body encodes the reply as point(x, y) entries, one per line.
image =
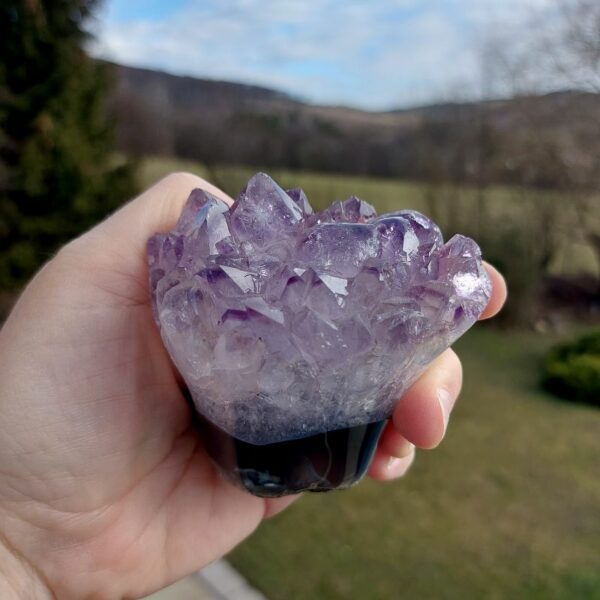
point(456, 209)
point(388, 194)
point(151, 169)
point(507, 507)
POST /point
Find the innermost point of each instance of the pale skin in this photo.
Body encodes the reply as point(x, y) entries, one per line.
point(105, 489)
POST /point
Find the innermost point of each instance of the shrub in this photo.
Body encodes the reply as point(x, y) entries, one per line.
point(572, 370)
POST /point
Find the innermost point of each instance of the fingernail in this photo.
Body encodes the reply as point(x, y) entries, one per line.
point(446, 401)
point(392, 462)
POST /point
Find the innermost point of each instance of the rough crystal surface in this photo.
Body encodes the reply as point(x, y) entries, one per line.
point(285, 323)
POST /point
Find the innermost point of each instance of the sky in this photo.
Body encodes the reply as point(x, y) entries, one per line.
point(373, 54)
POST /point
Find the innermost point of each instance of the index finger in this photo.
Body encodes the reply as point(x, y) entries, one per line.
point(499, 292)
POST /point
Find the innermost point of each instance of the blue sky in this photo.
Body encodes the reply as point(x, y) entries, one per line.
point(372, 54)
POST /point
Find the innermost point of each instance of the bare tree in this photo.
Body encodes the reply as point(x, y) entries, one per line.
point(552, 140)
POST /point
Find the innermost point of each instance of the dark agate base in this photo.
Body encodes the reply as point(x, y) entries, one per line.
point(319, 463)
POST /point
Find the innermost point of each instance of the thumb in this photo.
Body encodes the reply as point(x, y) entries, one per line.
point(121, 239)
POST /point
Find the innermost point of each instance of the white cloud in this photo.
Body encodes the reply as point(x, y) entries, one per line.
point(373, 54)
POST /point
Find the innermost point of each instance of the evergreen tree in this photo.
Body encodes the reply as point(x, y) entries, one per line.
point(58, 174)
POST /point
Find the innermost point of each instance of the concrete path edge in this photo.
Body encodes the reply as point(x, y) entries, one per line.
point(225, 583)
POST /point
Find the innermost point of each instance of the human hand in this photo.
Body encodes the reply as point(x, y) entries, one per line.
point(105, 488)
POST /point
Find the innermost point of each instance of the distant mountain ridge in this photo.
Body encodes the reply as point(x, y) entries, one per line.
point(206, 90)
point(222, 121)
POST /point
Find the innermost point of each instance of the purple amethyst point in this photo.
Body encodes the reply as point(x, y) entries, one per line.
point(286, 323)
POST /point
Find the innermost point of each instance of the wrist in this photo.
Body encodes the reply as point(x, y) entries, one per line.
point(18, 578)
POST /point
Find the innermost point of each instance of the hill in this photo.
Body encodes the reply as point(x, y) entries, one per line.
point(224, 122)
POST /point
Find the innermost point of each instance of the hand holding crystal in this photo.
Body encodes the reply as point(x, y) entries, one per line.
point(105, 488)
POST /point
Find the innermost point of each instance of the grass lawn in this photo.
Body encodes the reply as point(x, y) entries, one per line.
point(507, 507)
point(321, 188)
point(455, 209)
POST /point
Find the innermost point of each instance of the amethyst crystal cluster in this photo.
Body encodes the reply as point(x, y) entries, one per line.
point(287, 323)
